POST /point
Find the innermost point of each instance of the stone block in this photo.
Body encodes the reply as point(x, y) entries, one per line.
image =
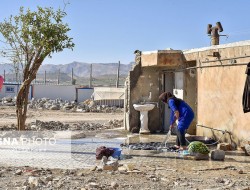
point(217, 154)
point(199, 156)
point(224, 146)
point(131, 139)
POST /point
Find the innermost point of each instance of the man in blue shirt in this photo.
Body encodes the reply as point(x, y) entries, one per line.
point(181, 113)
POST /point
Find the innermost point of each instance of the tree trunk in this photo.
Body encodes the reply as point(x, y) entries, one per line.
point(21, 106)
point(23, 93)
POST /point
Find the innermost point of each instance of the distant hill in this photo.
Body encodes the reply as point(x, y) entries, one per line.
point(80, 69)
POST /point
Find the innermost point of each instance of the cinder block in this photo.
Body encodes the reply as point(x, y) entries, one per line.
point(217, 154)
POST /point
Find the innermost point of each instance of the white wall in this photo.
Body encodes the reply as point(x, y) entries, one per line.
point(65, 92)
point(6, 93)
point(84, 94)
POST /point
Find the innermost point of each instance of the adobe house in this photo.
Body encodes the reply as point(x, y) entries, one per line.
point(210, 79)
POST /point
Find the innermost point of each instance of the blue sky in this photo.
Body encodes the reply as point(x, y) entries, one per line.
point(107, 31)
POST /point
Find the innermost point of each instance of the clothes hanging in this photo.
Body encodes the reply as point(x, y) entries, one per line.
point(246, 93)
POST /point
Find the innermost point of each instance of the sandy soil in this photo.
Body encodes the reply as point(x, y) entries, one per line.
point(158, 174)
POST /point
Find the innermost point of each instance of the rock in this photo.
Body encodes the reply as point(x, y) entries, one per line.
point(48, 178)
point(129, 167)
point(33, 127)
point(34, 181)
point(18, 172)
point(93, 168)
point(224, 146)
point(240, 172)
point(55, 107)
point(122, 169)
point(247, 149)
point(25, 188)
point(217, 154)
point(114, 185)
point(92, 185)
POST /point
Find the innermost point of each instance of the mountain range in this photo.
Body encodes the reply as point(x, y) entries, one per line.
point(80, 69)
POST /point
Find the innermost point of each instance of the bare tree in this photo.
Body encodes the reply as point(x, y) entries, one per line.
point(30, 37)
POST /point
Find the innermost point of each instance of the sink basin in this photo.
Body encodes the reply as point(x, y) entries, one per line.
point(143, 107)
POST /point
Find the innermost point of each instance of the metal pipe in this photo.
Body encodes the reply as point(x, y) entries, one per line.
point(226, 59)
point(200, 67)
point(223, 131)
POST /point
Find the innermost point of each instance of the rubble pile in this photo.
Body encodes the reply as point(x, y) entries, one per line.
point(63, 105)
point(8, 101)
point(85, 126)
point(59, 104)
point(8, 127)
point(50, 125)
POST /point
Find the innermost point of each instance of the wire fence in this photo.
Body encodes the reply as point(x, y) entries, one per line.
point(109, 79)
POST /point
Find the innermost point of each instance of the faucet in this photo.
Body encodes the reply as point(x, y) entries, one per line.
point(150, 96)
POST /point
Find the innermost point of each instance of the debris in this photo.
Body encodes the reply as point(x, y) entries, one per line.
point(129, 167)
point(59, 104)
point(224, 146)
point(34, 181)
point(18, 172)
point(114, 185)
point(219, 168)
point(240, 172)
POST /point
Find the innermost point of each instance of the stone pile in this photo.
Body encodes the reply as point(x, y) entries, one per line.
point(84, 126)
point(58, 104)
point(8, 101)
point(50, 125)
point(63, 105)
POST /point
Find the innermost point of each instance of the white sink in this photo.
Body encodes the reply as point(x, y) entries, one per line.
point(144, 109)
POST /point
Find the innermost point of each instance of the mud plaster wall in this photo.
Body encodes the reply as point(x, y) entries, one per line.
point(190, 96)
point(141, 84)
point(220, 92)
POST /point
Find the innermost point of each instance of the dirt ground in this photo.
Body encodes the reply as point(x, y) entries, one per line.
point(8, 116)
point(152, 171)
